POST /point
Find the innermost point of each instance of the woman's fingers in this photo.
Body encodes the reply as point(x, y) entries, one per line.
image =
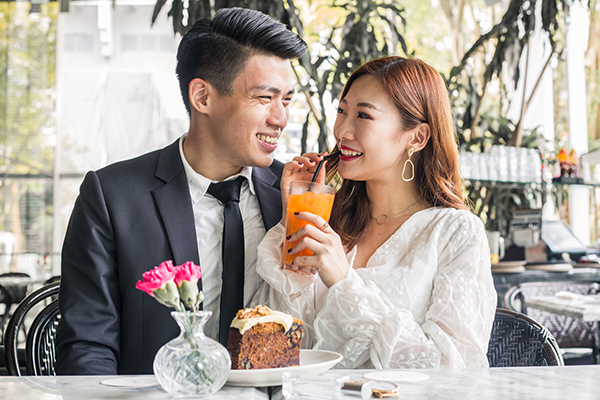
point(306, 243)
point(320, 233)
point(329, 257)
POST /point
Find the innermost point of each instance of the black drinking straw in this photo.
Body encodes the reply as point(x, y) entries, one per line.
point(314, 178)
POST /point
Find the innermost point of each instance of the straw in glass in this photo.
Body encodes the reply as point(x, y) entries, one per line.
point(314, 178)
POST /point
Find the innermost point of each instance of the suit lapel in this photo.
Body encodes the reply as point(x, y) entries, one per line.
point(266, 184)
point(175, 206)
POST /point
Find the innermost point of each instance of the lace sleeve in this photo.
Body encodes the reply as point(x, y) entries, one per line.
point(284, 290)
point(362, 322)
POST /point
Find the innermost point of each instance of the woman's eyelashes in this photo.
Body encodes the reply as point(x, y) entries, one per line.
point(359, 114)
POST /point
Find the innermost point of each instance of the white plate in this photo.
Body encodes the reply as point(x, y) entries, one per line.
point(315, 361)
point(396, 376)
point(505, 264)
point(562, 267)
point(508, 270)
point(137, 382)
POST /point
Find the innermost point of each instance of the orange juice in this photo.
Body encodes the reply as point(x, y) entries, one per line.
point(319, 201)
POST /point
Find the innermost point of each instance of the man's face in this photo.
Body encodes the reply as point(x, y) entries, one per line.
point(245, 125)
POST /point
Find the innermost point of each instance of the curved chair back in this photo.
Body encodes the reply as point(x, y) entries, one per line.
point(6, 300)
point(568, 332)
point(519, 341)
point(8, 296)
point(39, 349)
point(15, 275)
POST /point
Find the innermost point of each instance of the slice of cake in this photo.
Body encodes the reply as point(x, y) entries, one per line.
point(262, 338)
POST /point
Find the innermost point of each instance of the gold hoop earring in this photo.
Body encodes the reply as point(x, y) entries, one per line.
point(410, 153)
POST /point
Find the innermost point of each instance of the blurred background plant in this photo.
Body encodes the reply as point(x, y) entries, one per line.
point(483, 74)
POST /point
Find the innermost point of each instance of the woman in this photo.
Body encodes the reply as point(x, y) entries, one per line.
point(404, 277)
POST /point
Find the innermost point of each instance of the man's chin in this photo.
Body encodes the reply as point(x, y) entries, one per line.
point(265, 161)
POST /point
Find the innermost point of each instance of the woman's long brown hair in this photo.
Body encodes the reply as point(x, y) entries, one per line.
point(420, 96)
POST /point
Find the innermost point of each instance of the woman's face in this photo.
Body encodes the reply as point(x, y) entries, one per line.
point(369, 132)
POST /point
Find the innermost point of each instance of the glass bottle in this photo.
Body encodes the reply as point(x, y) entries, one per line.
point(574, 167)
point(564, 162)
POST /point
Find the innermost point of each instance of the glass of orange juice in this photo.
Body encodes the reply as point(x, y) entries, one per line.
point(304, 196)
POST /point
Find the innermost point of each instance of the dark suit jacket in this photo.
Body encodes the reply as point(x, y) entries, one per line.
point(129, 217)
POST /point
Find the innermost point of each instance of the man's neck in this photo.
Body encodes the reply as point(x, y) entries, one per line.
point(206, 163)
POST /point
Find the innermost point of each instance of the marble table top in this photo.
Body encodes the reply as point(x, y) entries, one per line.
point(579, 382)
point(585, 308)
point(90, 388)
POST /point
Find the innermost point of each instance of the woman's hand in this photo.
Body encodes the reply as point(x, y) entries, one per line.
point(329, 257)
point(301, 168)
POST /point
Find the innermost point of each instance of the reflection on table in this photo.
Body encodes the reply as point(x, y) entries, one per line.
point(90, 388)
point(495, 383)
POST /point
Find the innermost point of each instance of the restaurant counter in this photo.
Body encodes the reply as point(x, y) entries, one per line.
point(581, 382)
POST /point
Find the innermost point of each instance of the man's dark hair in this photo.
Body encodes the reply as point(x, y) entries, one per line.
point(217, 50)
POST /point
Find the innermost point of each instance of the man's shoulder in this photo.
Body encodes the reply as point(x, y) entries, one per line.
point(139, 163)
point(143, 165)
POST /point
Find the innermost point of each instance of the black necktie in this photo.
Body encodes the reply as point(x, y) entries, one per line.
point(232, 253)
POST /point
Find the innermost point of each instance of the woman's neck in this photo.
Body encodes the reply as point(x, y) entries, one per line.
point(392, 199)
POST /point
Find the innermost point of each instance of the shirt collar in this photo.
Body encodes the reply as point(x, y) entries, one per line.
point(199, 184)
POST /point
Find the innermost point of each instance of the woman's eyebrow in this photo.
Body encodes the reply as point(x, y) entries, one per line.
point(368, 105)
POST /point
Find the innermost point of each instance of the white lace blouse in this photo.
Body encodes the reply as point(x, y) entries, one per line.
point(426, 298)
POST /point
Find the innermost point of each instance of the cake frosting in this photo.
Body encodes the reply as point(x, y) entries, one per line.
point(245, 319)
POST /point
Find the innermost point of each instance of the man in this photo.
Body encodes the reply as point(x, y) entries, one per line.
point(235, 79)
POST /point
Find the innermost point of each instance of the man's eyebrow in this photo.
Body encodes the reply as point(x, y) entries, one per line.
point(273, 90)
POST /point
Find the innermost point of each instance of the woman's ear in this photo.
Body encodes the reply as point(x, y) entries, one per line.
point(421, 135)
point(199, 91)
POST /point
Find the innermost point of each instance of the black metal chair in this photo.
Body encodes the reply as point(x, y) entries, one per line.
point(10, 296)
point(519, 341)
point(570, 334)
point(15, 275)
point(52, 279)
point(41, 335)
point(6, 300)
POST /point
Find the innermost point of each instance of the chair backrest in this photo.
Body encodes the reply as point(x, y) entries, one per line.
point(519, 341)
point(52, 279)
point(15, 275)
point(39, 349)
point(568, 332)
point(4, 296)
point(16, 294)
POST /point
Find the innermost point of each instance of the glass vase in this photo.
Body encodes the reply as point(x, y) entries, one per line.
point(192, 364)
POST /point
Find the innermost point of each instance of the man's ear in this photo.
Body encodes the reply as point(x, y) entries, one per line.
point(421, 135)
point(199, 90)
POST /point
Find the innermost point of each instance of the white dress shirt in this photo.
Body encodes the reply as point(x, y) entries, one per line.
point(208, 219)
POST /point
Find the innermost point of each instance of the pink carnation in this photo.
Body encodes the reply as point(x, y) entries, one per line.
point(157, 278)
point(189, 272)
